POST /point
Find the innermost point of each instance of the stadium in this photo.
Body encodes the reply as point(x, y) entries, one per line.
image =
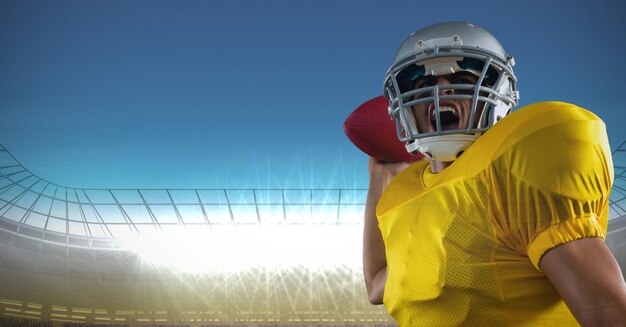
point(197, 257)
point(180, 257)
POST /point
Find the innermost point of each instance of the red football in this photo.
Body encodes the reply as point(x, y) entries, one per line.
point(371, 129)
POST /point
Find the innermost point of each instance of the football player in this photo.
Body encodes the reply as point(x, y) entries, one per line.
point(503, 225)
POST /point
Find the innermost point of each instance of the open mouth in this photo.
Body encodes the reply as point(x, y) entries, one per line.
point(449, 117)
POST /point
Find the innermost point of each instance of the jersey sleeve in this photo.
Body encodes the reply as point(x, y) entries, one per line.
point(552, 185)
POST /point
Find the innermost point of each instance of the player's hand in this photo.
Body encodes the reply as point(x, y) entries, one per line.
point(385, 170)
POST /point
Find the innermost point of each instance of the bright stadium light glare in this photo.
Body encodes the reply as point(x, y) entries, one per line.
point(232, 248)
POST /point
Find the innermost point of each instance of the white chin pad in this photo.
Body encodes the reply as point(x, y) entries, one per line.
point(444, 148)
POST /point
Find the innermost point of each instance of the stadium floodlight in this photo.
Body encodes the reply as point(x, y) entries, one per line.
point(235, 248)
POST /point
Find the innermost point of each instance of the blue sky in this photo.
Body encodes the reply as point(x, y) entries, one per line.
point(253, 94)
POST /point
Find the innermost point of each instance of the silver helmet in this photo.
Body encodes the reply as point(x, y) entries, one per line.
point(441, 50)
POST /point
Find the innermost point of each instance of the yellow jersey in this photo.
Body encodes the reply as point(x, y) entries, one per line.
point(463, 246)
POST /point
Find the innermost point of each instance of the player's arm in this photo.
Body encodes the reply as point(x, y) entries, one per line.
point(589, 280)
point(374, 259)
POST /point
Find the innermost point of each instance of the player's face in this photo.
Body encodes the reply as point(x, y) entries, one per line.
point(454, 114)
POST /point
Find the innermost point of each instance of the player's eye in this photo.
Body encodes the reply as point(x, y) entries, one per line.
point(463, 79)
point(425, 81)
point(422, 82)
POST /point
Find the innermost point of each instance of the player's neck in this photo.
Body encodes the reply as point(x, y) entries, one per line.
point(438, 166)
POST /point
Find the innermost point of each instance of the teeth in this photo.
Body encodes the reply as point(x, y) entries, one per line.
point(444, 109)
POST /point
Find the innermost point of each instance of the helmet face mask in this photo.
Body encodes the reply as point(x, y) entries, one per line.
point(442, 119)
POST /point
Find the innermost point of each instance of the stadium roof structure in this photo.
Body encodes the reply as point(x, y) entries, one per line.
point(97, 218)
point(65, 255)
point(616, 235)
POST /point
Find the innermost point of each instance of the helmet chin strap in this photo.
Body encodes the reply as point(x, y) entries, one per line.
point(444, 148)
